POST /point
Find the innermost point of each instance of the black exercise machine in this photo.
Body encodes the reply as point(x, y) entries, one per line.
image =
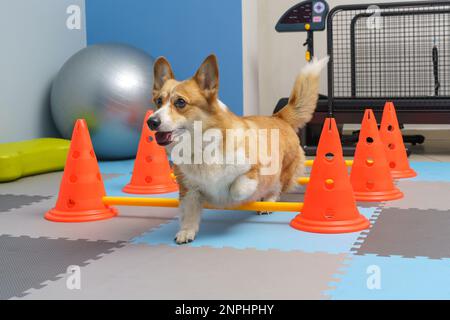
point(396, 52)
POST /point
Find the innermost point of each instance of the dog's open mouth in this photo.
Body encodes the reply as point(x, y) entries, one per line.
point(164, 138)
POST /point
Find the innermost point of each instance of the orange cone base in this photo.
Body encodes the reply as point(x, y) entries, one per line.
point(378, 196)
point(358, 224)
point(84, 216)
point(404, 174)
point(153, 189)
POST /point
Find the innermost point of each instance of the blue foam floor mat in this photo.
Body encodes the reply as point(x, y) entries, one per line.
point(431, 171)
point(238, 229)
point(399, 278)
point(241, 230)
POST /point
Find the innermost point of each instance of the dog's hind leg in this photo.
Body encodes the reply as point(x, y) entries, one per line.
point(191, 208)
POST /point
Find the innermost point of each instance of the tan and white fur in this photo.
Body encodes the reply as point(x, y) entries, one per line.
point(180, 104)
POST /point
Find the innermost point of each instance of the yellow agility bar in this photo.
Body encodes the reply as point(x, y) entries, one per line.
point(303, 180)
point(174, 203)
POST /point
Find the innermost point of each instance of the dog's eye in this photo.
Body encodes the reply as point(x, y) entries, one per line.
point(180, 103)
point(159, 102)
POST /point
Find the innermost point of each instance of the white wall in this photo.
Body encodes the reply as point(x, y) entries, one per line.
point(35, 44)
point(250, 55)
point(281, 55)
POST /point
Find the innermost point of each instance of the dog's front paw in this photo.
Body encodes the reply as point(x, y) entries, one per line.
point(185, 236)
point(263, 213)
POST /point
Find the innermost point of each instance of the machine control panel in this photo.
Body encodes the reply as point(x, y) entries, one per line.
point(304, 16)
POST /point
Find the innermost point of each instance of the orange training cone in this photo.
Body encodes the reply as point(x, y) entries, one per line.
point(329, 205)
point(151, 173)
point(395, 148)
point(370, 177)
point(81, 191)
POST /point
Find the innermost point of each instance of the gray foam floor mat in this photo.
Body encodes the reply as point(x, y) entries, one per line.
point(409, 233)
point(13, 201)
point(40, 185)
point(131, 222)
point(28, 262)
point(161, 272)
point(422, 195)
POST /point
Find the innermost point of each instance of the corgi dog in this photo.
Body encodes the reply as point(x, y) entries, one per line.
point(185, 108)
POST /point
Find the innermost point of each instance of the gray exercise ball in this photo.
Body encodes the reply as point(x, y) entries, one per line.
point(109, 85)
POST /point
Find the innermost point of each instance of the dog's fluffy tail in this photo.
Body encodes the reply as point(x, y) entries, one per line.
point(304, 96)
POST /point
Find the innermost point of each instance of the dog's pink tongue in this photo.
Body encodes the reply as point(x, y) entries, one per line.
point(163, 138)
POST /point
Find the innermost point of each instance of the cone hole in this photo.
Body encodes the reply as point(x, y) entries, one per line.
point(70, 203)
point(370, 184)
point(148, 179)
point(390, 128)
point(391, 146)
point(92, 153)
point(149, 158)
point(76, 154)
point(73, 178)
point(329, 156)
point(99, 176)
point(369, 140)
point(370, 162)
point(392, 164)
point(329, 184)
point(150, 139)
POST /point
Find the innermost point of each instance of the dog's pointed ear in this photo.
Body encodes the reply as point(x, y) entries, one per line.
point(162, 71)
point(207, 76)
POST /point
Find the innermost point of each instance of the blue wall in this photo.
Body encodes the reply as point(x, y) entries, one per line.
point(184, 31)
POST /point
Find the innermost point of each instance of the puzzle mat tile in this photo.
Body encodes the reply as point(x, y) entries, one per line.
point(39, 185)
point(400, 278)
point(163, 272)
point(422, 195)
point(12, 201)
point(114, 187)
point(241, 230)
point(124, 167)
point(42, 185)
point(431, 171)
point(28, 262)
point(48, 184)
point(131, 222)
point(408, 233)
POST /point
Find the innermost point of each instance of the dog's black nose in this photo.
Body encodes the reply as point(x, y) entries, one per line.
point(153, 123)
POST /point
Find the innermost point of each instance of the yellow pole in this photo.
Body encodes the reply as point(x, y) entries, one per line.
point(303, 180)
point(174, 203)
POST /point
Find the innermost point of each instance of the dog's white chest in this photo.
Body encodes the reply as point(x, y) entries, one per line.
point(213, 181)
